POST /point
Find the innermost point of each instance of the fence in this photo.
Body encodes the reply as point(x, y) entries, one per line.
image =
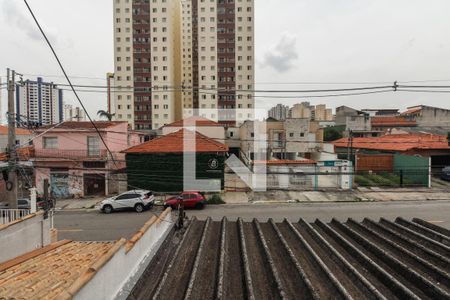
point(10, 215)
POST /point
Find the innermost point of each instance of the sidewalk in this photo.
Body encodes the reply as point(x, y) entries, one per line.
point(357, 195)
point(85, 203)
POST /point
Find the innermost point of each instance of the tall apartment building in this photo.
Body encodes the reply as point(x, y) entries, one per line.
point(72, 113)
point(174, 56)
point(317, 113)
point(301, 110)
point(279, 112)
point(39, 101)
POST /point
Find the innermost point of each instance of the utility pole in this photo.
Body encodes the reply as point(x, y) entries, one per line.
point(11, 185)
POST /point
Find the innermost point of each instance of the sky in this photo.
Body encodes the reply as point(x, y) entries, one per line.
point(324, 42)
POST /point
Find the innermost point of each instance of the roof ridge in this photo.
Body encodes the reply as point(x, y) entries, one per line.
point(30, 255)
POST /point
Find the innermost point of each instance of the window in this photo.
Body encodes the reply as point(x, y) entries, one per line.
point(50, 143)
point(93, 145)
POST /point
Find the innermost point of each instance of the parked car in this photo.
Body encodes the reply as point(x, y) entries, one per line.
point(23, 203)
point(190, 200)
point(139, 200)
point(445, 175)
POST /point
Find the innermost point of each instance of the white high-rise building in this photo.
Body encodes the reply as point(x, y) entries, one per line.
point(279, 112)
point(172, 57)
point(72, 113)
point(39, 101)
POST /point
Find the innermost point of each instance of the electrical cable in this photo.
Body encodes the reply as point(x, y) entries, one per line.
point(67, 77)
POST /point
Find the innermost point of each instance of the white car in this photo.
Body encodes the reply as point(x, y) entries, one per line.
point(139, 200)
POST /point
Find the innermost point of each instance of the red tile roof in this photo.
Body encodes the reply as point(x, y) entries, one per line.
point(173, 143)
point(285, 162)
point(19, 131)
point(194, 120)
point(23, 154)
point(73, 125)
point(392, 122)
point(398, 142)
point(412, 110)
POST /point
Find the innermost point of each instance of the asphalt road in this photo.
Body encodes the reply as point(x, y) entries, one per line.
point(92, 225)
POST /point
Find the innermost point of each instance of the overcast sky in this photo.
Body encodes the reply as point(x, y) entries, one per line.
point(326, 41)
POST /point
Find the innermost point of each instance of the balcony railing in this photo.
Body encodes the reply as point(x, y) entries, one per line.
point(10, 215)
point(69, 154)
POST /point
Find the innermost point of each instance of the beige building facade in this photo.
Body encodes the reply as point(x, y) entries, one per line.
point(175, 58)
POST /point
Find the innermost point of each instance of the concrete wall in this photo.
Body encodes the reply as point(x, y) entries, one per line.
point(358, 123)
point(23, 140)
point(292, 177)
point(117, 277)
point(433, 116)
point(342, 112)
point(298, 136)
point(23, 236)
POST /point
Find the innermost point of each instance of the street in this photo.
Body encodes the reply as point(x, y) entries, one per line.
point(92, 225)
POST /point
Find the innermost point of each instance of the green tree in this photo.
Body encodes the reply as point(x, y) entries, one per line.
point(331, 134)
point(104, 114)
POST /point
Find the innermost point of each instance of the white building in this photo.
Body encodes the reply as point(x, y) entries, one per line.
point(172, 56)
point(279, 112)
point(39, 101)
point(72, 113)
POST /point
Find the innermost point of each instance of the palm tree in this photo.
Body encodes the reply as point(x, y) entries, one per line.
point(104, 114)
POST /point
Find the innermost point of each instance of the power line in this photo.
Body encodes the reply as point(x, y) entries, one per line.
point(67, 77)
point(421, 91)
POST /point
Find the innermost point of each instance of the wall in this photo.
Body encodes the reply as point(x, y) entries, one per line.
point(433, 116)
point(144, 171)
point(24, 236)
point(342, 113)
point(292, 177)
point(117, 277)
point(297, 142)
point(23, 140)
point(415, 169)
point(358, 123)
point(374, 162)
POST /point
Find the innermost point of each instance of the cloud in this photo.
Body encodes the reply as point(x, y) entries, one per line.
point(15, 17)
point(282, 56)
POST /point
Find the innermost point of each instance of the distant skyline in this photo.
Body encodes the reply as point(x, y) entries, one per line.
point(326, 41)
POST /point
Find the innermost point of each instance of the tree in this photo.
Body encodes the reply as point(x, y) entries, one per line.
point(331, 134)
point(104, 114)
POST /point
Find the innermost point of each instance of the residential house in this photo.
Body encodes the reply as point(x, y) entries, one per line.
point(207, 127)
point(158, 164)
point(342, 112)
point(290, 139)
point(33, 268)
point(385, 112)
point(23, 137)
point(75, 160)
point(289, 174)
point(435, 147)
point(387, 123)
point(428, 116)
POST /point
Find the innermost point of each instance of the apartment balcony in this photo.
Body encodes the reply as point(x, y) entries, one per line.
point(71, 154)
point(278, 144)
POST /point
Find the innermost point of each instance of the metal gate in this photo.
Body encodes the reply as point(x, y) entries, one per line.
point(59, 183)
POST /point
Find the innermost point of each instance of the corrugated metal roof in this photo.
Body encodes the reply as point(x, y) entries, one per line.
point(300, 260)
